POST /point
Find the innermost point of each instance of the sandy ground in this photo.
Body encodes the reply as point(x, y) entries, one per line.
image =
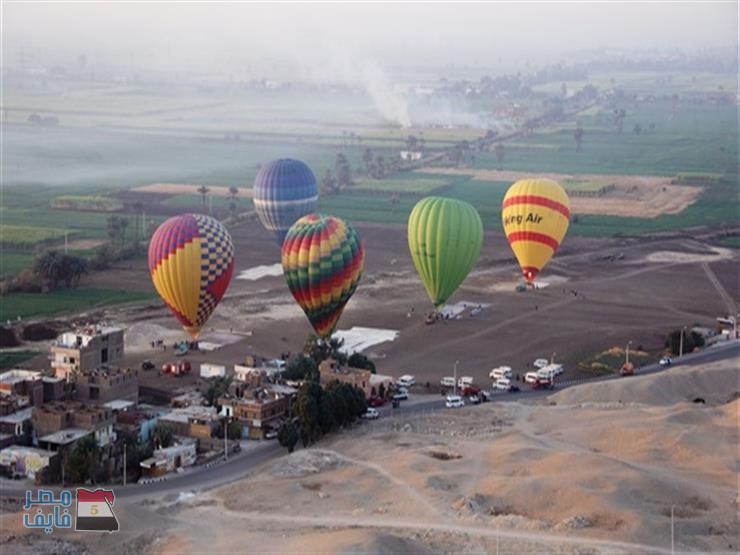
point(579, 472)
point(85, 244)
point(640, 196)
point(187, 189)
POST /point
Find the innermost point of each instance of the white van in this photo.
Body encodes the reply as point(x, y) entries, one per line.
point(500, 372)
point(454, 402)
point(546, 373)
point(540, 363)
point(447, 381)
point(502, 384)
point(531, 377)
point(406, 381)
point(465, 381)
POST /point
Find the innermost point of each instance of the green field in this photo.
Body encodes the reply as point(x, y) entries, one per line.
point(732, 242)
point(30, 305)
point(404, 183)
point(11, 263)
point(24, 236)
point(11, 359)
point(87, 202)
point(582, 185)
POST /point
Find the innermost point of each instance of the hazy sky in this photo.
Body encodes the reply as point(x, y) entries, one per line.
point(237, 36)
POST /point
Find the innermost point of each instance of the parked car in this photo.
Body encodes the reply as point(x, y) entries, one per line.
point(474, 400)
point(540, 363)
point(485, 395)
point(147, 365)
point(543, 383)
point(546, 373)
point(447, 381)
point(469, 390)
point(402, 390)
point(530, 377)
point(400, 396)
point(454, 401)
point(272, 434)
point(406, 381)
point(665, 361)
point(502, 384)
point(371, 414)
point(500, 372)
point(376, 401)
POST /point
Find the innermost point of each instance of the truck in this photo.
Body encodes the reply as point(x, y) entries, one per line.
point(179, 368)
point(500, 372)
point(543, 383)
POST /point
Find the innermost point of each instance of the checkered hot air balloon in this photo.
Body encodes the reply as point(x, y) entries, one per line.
point(284, 190)
point(323, 259)
point(535, 215)
point(191, 259)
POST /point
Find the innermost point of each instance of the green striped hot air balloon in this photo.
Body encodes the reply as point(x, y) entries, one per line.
point(445, 237)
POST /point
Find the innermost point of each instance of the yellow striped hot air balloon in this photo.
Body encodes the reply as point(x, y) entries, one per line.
point(535, 214)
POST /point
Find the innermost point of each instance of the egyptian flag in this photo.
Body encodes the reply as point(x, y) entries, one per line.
point(94, 510)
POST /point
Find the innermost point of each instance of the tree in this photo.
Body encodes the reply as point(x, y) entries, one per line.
point(203, 190)
point(163, 436)
point(48, 267)
point(123, 225)
point(301, 367)
point(138, 218)
point(691, 341)
point(288, 436)
point(578, 136)
point(367, 157)
point(83, 461)
point(412, 143)
point(637, 129)
point(136, 451)
point(233, 205)
point(329, 183)
point(619, 115)
point(358, 360)
point(320, 349)
point(380, 167)
point(343, 171)
point(307, 411)
point(500, 152)
point(72, 269)
point(216, 388)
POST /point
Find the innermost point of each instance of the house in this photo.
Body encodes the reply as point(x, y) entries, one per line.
point(376, 380)
point(18, 425)
point(139, 420)
point(249, 375)
point(23, 382)
point(212, 370)
point(192, 421)
point(105, 384)
point(169, 459)
point(330, 370)
point(259, 410)
point(24, 461)
point(410, 155)
point(86, 349)
point(10, 403)
point(72, 415)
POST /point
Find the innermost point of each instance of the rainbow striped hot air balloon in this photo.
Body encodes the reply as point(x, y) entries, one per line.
point(284, 190)
point(535, 214)
point(323, 260)
point(191, 259)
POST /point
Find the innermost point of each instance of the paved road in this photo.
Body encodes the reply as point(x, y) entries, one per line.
point(241, 464)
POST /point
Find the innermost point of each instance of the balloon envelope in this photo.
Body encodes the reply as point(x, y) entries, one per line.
point(445, 237)
point(323, 259)
point(284, 191)
point(191, 260)
point(535, 214)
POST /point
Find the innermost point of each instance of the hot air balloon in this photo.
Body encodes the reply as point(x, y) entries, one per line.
point(535, 214)
point(445, 236)
point(191, 259)
point(322, 262)
point(284, 190)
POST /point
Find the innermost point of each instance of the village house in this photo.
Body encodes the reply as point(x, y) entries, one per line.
point(86, 349)
point(258, 410)
point(105, 384)
point(194, 421)
point(330, 370)
point(169, 459)
point(71, 418)
point(24, 383)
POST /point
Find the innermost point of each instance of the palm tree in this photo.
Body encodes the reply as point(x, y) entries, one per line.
point(203, 190)
point(578, 136)
point(139, 211)
point(233, 192)
point(49, 268)
point(500, 152)
point(123, 224)
point(367, 157)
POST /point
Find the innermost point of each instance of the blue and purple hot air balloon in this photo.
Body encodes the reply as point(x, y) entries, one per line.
point(284, 191)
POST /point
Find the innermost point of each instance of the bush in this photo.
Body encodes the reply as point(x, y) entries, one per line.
point(288, 436)
point(39, 332)
point(691, 341)
point(8, 337)
point(358, 360)
point(301, 367)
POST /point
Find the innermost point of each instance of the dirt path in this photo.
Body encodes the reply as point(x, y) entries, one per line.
point(729, 303)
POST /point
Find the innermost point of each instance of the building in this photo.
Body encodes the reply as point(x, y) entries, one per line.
point(86, 349)
point(249, 375)
point(258, 410)
point(18, 425)
point(212, 370)
point(410, 155)
point(25, 383)
point(23, 461)
point(376, 380)
point(10, 403)
point(106, 384)
point(65, 415)
point(192, 421)
point(329, 371)
point(169, 459)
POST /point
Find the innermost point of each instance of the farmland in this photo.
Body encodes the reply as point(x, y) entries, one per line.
point(24, 236)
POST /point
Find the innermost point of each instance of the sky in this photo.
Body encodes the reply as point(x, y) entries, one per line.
point(238, 37)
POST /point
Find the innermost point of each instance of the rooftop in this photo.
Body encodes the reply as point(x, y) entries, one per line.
point(16, 375)
point(18, 416)
point(82, 336)
point(118, 404)
point(65, 436)
point(23, 450)
point(184, 414)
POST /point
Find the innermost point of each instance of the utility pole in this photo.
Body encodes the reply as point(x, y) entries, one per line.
point(680, 345)
point(454, 390)
point(124, 463)
point(65, 241)
point(226, 445)
point(627, 354)
point(672, 535)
